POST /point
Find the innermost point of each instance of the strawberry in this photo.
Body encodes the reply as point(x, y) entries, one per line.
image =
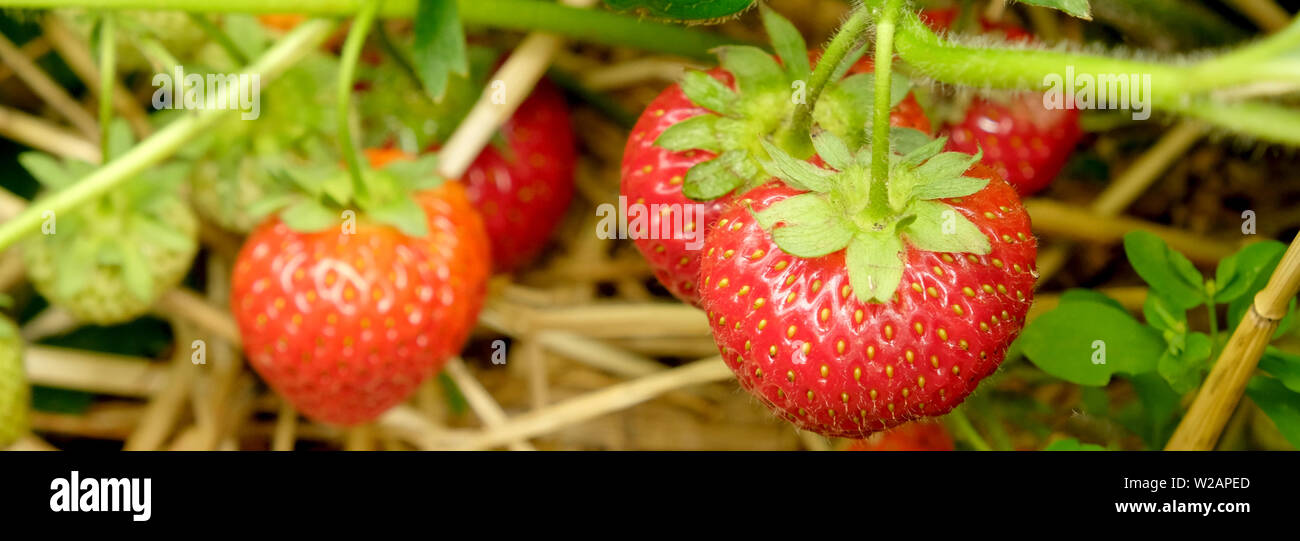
point(107, 261)
point(850, 305)
point(697, 144)
point(14, 393)
point(916, 436)
point(1025, 142)
point(522, 187)
point(346, 322)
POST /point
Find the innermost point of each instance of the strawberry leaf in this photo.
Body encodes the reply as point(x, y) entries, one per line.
point(797, 173)
point(755, 70)
point(682, 11)
point(833, 150)
point(788, 44)
point(1279, 403)
point(166, 236)
point(404, 214)
point(439, 48)
point(1087, 342)
point(1165, 270)
point(940, 228)
point(46, 170)
point(709, 93)
point(875, 265)
point(698, 132)
point(921, 151)
point(805, 225)
point(1074, 8)
point(308, 216)
point(1236, 273)
point(905, 141)
point(135, 272)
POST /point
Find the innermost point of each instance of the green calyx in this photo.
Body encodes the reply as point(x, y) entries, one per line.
point(324, 195)
point(766, 96)
point(142, 235)
point(874, 220)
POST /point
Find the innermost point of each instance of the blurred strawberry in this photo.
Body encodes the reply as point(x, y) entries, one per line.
point(914, 436)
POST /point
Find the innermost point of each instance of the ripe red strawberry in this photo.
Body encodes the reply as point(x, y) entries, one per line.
point(893, 306)
point(346, 323)
point(523, 187)
point(1025, 142)
point(708, 160)
point(916, 436)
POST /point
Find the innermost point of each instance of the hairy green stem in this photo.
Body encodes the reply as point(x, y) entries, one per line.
point(107, 72)
point(347, 72)
point(794, 135)
point(581, 24)
point(165, 142)
point(880, 113)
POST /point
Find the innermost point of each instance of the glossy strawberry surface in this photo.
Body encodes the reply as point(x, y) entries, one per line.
point(798, 339)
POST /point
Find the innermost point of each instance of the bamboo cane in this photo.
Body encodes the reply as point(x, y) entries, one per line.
point(1218, 397)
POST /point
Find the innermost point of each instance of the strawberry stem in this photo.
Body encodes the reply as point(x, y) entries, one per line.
point(965, 431)
point(347, 72)
point(880, 119)
point(795, 134)
point(107, 71)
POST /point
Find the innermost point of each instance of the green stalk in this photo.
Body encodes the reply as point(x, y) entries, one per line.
point(960, 424)
point(794, 135)
point(107, 72)
point(880, 117)
point(582, 24)
point(165, 142)
point(347, 72)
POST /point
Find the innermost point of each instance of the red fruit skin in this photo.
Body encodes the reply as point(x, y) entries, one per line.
point(346, 326)
point(1024, 141)
point(653, 175)
point(790, 326)
point(917, 436)
point(523, 189)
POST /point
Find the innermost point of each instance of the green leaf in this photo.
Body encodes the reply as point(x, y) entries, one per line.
point(1088, 295)
point(1163, 315)
point(918, 155)
point(135, 272)
point(908, 140)
point(946, 188)
point(1283, 366)
point(697, 132)
point(120, 139)
point(149, 230)
point(439, 48)
point(1238, 272)
point(845, 107)
point(404, 214)
point(74, 271)
point(940, 228)
point(1279, 403)
point(709, 93)
point(805, 225)
point(1075, 8)
point(833, 150)
point(788, 44)
point(717, 177)
point(1072, 444)
point(754, 69)
point(46, 170)
point(308, 216)
point(682, 11)
point(270, 204)
point(797, 173)
point(1069, 342)
point(875, 264)
point(1183, 369)
point(1165, 270)
point(1160, 406)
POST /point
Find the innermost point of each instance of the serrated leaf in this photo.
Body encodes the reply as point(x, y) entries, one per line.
point(927, 150)
point(947, 188)
point(308, 216)
point(940, 228)
point(946, 166)
point(1073, 444)
point(833, 150)
point(170, 238)
point(46, 170)
point(875, 265)
point(1237, 273)
point(754, 69)
point(908, 140)
point(1279, 403)
point(788, 44)
point(717, 177)
point(698, 132)
point(415, 175)
point(682, 11)
point(135, 272)
point(795, 172)
point(1074, 8)
point(1164, 269)
point(404, 214)
point(1183, 370)
point(805, 225)
point(709, 93)
point(1283, 366)
point(1086, 343)
point(269, 205)
point(439, 47)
